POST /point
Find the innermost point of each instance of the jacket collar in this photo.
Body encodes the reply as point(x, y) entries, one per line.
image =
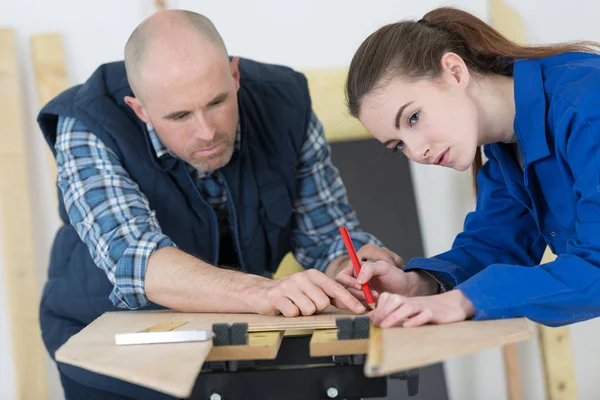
point(530, 106)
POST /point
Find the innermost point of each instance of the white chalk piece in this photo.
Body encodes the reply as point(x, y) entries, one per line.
point(198, 335)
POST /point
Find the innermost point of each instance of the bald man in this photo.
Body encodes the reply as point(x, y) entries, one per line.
point(185, 176)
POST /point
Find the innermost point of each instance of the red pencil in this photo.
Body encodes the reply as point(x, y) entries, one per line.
point(356, 263)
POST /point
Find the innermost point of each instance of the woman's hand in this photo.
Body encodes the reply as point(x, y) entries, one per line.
point(398, 310)
point(385, 277)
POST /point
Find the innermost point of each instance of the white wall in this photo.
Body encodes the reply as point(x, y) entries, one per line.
point(308, 33)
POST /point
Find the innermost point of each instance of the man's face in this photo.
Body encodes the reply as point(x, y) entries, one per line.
point(192, 107)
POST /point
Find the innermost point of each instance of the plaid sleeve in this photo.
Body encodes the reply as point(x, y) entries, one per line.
point(321, 206)
point(108, 211)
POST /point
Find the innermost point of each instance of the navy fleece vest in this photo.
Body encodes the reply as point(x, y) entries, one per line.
point(261, 180)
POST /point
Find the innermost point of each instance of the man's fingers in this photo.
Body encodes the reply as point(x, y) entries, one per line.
point(316, 295)
point(286, 307)
point(398, 261)
point(301, 300)
point(346, 280)
point(336, 291)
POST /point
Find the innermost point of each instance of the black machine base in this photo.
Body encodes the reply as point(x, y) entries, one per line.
point(294, 375)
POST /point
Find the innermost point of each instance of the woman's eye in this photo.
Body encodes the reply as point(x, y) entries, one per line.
point(399, 145)
point(413, 119)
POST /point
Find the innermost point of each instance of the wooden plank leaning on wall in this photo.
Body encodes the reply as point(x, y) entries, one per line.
point(18, 260)
point(50, 75)
point(555, 345)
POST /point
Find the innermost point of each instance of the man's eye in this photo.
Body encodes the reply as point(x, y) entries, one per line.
point(179, 117)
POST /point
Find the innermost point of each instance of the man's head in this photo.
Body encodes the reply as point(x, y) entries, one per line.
point(185, 86)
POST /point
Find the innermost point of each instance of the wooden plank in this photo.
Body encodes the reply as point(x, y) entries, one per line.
point(48, 55)
point(51, 78)
point(557, 363)
point(261, 346)
point(169, 368)
point(507, 21)
point(18, 260)
point(326, 87)
point(510, 356)
point(324, 342)
point(390, 350)
point(408, 348)
point(375, 351)
point(557, 357)
point(94, 349)
point(510, 24)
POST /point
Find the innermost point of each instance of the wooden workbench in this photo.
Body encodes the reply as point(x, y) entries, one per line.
point(173, 368)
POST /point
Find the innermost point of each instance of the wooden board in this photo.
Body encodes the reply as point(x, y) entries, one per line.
point(261, 346)
point(51, 79)
point(557, 356)
point(407, 348)
point(171, 368)
point(326, 87)
point(324, 343)
point(510, 24)
point(18, 260)
point(510, 356)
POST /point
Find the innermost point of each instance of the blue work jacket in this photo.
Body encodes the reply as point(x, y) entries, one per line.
point(552, 200)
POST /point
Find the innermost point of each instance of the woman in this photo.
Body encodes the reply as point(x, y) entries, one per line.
point(437, 90)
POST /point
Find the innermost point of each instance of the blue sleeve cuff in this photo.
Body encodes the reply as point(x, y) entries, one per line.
point(445, 271)
point(444, 284)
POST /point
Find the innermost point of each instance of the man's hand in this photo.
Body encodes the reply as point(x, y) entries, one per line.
point(370, 252)
point(304, 293)
point(365, 253)
point(385, 277)
point(394, 309)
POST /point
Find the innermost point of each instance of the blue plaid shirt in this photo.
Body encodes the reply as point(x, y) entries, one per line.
point(112, 216)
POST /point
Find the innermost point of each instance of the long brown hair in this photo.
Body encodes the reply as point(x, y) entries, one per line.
point(413, 50)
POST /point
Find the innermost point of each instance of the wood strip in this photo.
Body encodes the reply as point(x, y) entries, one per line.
point(164, 326)
point(324, 342)
point(51, 78)
point(326, 87)
point(18, 260)
point(261, 346)
point(510, 356)
point(169, 368)
point(408, 348)
point(173, 367)
point(375, 352)
point(557, 363)
point(510, 24)
point(557, 356)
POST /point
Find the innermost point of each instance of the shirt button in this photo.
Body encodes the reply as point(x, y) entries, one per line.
point(552, 233)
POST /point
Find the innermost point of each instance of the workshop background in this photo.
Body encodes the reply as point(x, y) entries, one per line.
point(427, 205)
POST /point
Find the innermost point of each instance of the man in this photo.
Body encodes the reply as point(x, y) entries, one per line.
point(185, 176)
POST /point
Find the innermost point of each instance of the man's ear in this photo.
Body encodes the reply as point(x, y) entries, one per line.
point(235, 72)
point(137, 108)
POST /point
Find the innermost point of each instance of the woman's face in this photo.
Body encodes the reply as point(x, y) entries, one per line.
point(432, 121)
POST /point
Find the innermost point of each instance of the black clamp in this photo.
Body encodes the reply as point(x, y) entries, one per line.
point(353, 328)
point(230, 335)
point(350, 328)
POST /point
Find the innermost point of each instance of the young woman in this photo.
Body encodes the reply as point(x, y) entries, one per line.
point(436, 90)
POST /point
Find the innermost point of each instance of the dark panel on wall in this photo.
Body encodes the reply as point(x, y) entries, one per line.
point(380, 189)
